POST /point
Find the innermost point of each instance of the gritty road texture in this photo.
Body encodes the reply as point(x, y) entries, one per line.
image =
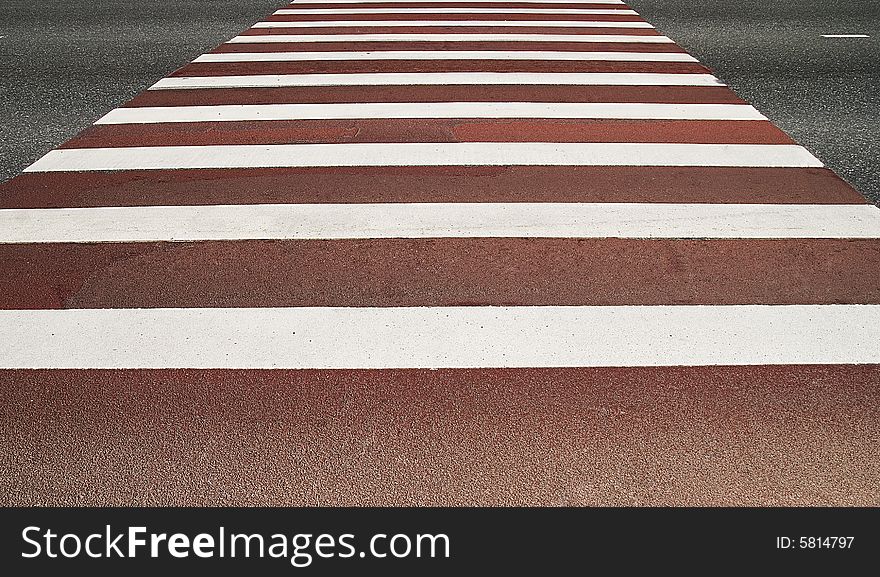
point(107, 431)
point(65, 66)
point(630, 436)
point(824, 92)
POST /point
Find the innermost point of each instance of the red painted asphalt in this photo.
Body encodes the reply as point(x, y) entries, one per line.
point(429, 184)
point(446, 93)
point(411, 66)
point(495, 5)
point(366, 46)
point(652, 436)
point(440, 272)
point(429, 130)
point(362, 29)
point(441, 16)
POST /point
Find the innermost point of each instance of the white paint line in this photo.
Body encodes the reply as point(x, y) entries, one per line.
point(537, 2)
point(845, 36)
point(450, 23)
point(425, 154)
point(245, 112)
point(438, 79)
point(447, 55)
point(315, 38)
point(446, 10)
point(439, 337)
point(436, 220)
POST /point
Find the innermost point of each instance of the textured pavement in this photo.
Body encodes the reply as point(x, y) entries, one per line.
point(314, 269)
point(66, 67)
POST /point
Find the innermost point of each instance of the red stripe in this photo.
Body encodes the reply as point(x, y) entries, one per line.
point(403, 6)
point(448, 93)
point(476, 45)
point(439, 272)
point(689, 131)
point(403, 15)
point(449, 30)
point(428, 184)
point(379, 66)
point(787, 435)
point(428, 130)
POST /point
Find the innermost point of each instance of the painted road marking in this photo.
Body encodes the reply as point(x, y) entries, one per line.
point(297, 2)
point(439, 337)
point(365, 185)
point(437, 220)
point(445, 10)
point(426, 154)
point(439, 79)
point(845, 36)
point(441, 272)
point(433, 66)
point(456, 23)
point(588, 38)
point(366, 110)
point(446, 55)
point(715, 94)
point(432, 130)
point(684, 256)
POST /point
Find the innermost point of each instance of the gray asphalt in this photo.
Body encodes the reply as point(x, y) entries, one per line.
point(824, 92)
point(64, 65)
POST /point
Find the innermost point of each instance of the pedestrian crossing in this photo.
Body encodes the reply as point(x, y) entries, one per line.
point(445, 55)
point(500, 193)
point(451, 23)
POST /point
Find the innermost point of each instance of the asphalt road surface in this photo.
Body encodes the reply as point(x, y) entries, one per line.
point(824, 92)
point(64, 66)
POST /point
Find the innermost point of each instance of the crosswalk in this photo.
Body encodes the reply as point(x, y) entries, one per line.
point(439, 252)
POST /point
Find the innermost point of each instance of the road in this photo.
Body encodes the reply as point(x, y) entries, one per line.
point(66, 67)
point(473, 255)
point(824, 92)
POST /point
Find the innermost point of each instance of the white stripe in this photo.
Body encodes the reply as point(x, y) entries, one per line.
point(443, 10)
point(439, 337)
point(444, 23)
point(425, 154)
point(437, 220)
point(454, 1)
point(845, 36)
point(438, 78)
point(590, 38)
point(447, 55)
point(244, 112)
